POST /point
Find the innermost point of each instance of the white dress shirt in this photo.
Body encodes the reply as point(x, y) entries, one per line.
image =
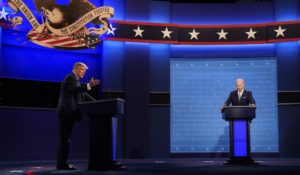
point(240, 93)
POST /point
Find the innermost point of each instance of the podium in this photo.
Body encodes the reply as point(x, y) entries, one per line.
point(103, 116)
point(239, 118)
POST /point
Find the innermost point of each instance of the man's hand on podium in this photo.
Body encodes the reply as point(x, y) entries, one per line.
point(94, 82)
point(222, 108)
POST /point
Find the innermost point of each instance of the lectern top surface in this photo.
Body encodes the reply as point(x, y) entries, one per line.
point(240, 107)
point(106, 100)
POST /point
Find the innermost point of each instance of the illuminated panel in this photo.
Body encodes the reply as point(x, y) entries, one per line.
point(240, 138)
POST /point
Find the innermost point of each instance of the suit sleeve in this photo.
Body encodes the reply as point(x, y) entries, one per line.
point(251, 99)
point(229, 100)
point(71, 85)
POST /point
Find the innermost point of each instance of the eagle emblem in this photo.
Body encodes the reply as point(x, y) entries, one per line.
point(76, 25)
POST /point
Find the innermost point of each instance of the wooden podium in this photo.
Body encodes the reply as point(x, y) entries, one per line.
point(239, 118)
point(103, 116)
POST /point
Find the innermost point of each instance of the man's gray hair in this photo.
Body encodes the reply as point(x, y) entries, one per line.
point(79, 64)
point(239, 79)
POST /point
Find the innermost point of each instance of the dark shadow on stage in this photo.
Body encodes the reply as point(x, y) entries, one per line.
point(162, 167)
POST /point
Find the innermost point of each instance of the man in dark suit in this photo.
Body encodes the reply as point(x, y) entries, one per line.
point(71, 93)
point(240, 96)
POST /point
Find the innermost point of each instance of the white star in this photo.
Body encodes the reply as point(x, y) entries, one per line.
point(251, 34)
point(138, 32)
point(194, 34)
point(222, 34)
point(166, 33)
point(280, 31)
point(3, 14)
point(111, 30)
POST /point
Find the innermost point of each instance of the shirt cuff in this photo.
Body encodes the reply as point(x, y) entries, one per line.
point(88, 86)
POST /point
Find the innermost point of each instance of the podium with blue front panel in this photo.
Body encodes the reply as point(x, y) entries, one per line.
point(239, 118)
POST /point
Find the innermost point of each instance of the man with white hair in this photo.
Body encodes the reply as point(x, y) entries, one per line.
point(71, 93)
point(240, 96)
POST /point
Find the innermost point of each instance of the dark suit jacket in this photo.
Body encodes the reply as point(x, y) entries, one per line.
point(71, 93)
point(246, 99)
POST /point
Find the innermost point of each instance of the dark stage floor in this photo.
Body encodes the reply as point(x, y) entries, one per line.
point(161, 167)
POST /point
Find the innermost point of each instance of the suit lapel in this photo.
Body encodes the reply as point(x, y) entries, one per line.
point(75, 78)
point(244, 93)
point(236, 96)
point(80, 96)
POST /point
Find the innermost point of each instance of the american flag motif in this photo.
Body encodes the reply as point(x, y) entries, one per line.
point(91, 39)
point(130, 31)
point(62, 42)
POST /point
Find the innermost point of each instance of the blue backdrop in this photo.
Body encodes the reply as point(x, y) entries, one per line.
point(200, 87)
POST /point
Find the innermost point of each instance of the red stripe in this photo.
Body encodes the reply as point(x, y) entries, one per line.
point(142, 41)
point(70, 44)
point(39, 39)
point(75, 43)
point(224, 42)
point(60, 41)
point(202, 43)
point(283, 40)
point(144, 23)
point(46, 38)
point(284, 22)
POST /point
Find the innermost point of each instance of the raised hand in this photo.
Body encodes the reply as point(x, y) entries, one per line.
point(94, 82)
